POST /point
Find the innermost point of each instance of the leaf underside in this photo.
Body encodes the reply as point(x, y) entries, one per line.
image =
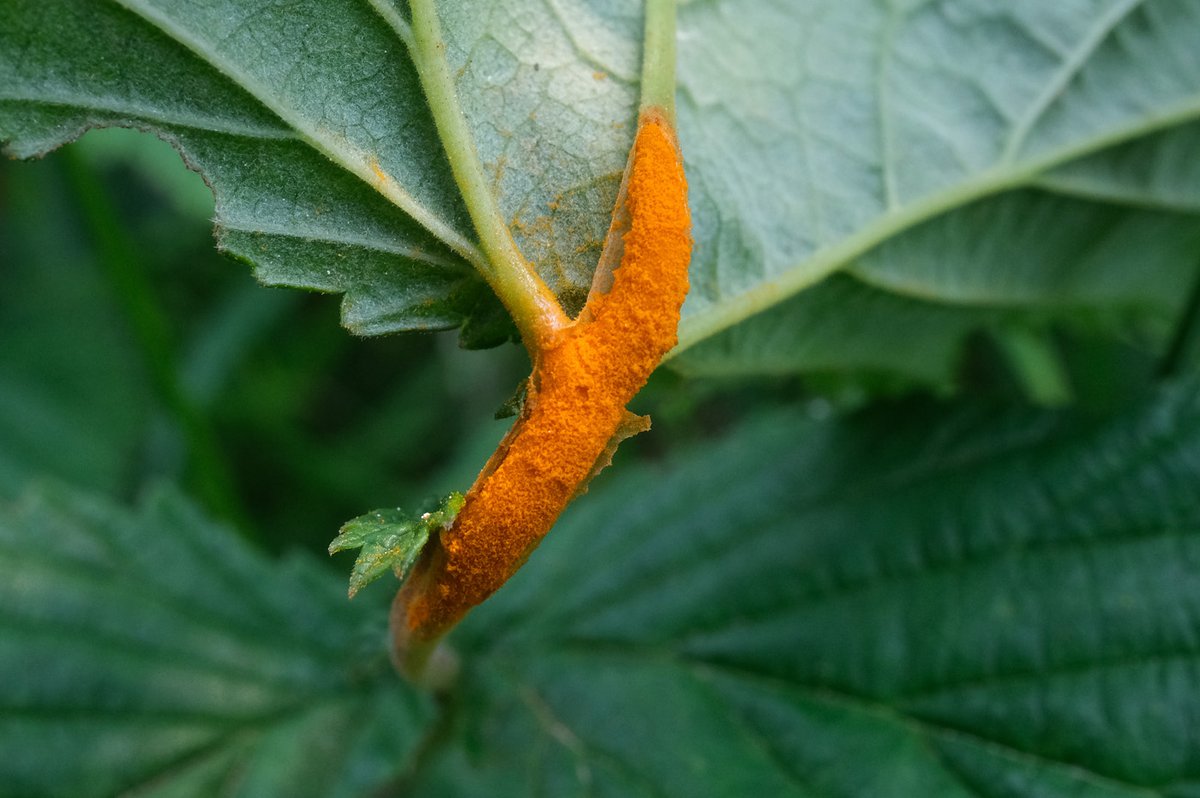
point(815, 132)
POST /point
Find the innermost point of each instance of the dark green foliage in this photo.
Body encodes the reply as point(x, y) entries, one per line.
point(854, 559)
point(153, 651)
point(917, 601)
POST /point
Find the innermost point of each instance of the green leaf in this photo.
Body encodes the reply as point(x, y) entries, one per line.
point(390, 539)
point(814, 131)
point(152, 653)
point(1025, 258)
point(925, 601)
point(309, 123)
point(1158, 171)
point(843, 325)
point(72, 406)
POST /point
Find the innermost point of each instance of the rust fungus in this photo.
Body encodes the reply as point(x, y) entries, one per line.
point(574, 413)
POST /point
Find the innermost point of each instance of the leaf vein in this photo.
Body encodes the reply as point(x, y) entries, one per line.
point(919, 727)
point(111, 106)
point(1071, 68)
point(342, 153)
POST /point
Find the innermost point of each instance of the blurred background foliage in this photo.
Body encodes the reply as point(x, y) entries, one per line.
point(134, 355)
point(134, 352)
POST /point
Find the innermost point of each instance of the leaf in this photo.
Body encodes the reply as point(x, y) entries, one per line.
point(1021, 259)
point(309, 123)
point(550, 91)
point(278, 132)
point(71, 406)
point(963, 603)
point(390, 539)
point(928, 600)
point(815, 130)
point(1158, 171)
point(843, 325)
point(1030, 250)
point(152, 653)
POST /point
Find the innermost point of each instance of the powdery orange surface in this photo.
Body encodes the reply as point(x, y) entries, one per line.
point(580, 385)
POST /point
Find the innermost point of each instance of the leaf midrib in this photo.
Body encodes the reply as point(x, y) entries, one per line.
point(1007, 174)
point(204, 124)
point(701, 670)
point(1000, 177)
point(356, 163)
point(921, 728)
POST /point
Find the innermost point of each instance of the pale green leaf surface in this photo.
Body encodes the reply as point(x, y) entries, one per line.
point(1158, 171)
point(842, 325)
point(1026, 249)
point(1024, 258)
point(288, 111)
point(966, 603)
point(813, 130)
point(550, 89)
point(309, 122)
point(152, 652)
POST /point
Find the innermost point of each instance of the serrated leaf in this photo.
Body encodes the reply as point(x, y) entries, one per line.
point(930, 600)
point(309, 123)
point(390, 539)
point(815, 130)
point(153, 653)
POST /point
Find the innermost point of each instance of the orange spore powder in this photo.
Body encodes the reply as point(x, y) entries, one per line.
point(582, 379)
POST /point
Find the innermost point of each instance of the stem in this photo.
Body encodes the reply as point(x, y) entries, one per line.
point(658, 58)
point(120, 258)
point(532, 304)
point(606, 357)
point(424, 662)
point(428, 750)
point(1182, 341)
point(1036, 365)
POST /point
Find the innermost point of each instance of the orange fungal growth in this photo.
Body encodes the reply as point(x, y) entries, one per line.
point(575, 409)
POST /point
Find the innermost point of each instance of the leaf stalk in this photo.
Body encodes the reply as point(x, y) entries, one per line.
point(533, 306)
point(658, 58)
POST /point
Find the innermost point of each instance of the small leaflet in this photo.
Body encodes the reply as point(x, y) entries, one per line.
point(390, 539)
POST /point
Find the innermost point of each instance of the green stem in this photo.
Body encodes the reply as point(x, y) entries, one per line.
point(532, 304)
point(1187, 330)
point(120, 258)
point(425, 663)
point(658, 58)
point(1036, 365)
